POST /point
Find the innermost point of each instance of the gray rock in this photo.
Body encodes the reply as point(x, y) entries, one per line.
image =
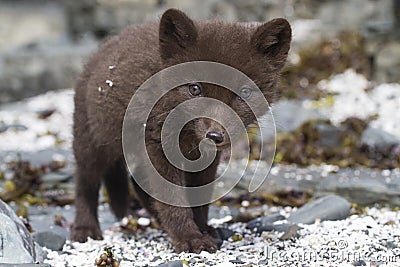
point(29, 71)
point(53, 239)
point(291, 232)
point(225, 233)
point(378, 138)
point(176, 263)
point(329, 208)
point(237, 261)
point(41, 254)
point(360, 263)
point(283, 114)
point(280, 227)
point(56, 177)
point(266, 220)
point(329, 135)
point(16, 242)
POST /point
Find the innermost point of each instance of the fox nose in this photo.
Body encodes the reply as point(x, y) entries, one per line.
point(217, 137)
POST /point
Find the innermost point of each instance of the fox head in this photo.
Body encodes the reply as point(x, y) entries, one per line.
point(259, 51)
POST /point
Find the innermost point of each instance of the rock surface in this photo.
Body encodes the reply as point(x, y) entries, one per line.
point(266, 220)
point(53, 238)
point(378, 138)
point(329, 208)
point(283, 114)
point(177, 263)
point(17, 245)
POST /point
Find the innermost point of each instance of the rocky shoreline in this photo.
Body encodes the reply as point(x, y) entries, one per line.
point(267, 228)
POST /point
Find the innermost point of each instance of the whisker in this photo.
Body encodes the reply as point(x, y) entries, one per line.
point(196, 147)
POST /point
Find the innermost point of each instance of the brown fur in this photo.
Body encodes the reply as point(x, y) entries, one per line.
point(137, 53)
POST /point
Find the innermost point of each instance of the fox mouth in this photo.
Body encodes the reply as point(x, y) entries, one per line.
point(219, 146)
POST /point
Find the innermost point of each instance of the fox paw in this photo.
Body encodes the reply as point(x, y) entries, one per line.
point(81, 233)
point(196, 244)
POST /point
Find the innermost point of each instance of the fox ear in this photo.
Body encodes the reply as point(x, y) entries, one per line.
point(177, 32)
point(272, 39)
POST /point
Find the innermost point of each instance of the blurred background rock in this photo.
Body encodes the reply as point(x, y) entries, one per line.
point(45, 42)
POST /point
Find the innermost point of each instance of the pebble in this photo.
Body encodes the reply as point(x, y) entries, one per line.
point(266, 220)
point(225, 233)
point(291, 232)
point(152, 247)
point(237, 261)
point(281, 227)
point(144, 221)
point(360, 263)
point(177, 263)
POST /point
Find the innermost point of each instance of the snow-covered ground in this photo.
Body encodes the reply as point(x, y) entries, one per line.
point(28, 132)
point(358, 97)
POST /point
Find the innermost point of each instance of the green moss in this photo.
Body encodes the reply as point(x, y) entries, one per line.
point(236, 238)
point(25, 187)
point(305, 147)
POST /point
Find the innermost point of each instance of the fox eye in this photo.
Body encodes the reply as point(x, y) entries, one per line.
point(195, 89)
point(245, 92)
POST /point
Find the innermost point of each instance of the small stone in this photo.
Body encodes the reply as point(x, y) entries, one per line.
point(56, 178)
point(237, 261)
point(245, 203)
point(156, 258)
point(391, 244)
point(176, 263)
point(263, 262)
point(144, 221)
point(281, 227)
point(225, 233)
point(360, 263)
point(290, 233)
point(266, 220)
point(44, 114)
point(329, 208)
